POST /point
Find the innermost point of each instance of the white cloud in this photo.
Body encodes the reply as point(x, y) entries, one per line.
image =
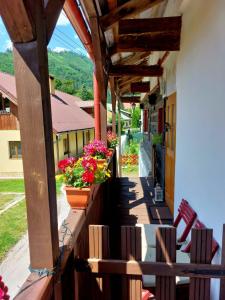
point(62, 20)
point(60, 49)
point(8, 45)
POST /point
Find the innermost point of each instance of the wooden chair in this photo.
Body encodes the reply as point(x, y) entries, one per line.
point(182, 256)
point(185, 213)
point(215, 246)
point(3, 290)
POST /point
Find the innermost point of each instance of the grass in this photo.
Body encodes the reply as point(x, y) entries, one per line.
point(13, 224)
point(5, 199)
point(12, 185)
point(131, 171)
point(17, 185)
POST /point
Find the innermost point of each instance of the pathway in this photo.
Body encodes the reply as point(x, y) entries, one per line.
point(16, 198)
point(19, 255)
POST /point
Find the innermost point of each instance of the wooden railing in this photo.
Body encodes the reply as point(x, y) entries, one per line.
point(65, 283)
point(129, 268)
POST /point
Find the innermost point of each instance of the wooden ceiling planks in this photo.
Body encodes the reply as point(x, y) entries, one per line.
point(135, 70)
point(140, 26)
point(140, 87)
point(130, 99)
point(128, 9)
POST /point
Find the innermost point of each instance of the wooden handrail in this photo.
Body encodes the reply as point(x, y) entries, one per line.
point(132, 267)
point(37, 288)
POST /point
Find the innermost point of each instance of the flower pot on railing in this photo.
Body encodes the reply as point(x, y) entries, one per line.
point(79, 175)
point(101, 162)
point(78, 198)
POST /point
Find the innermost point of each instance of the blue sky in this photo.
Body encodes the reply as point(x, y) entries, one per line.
point(64, 37)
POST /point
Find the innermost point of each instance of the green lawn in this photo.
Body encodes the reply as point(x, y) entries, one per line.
point(130, 171)
point(4, 199)
point(17, 185)
point(12, 185)
point(13, 225)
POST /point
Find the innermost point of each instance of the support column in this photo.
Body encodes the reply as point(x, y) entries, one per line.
point(119, 137)
point(34, 108)
point(97, 115)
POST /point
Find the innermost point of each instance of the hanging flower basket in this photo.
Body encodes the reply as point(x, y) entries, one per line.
point(78, 198)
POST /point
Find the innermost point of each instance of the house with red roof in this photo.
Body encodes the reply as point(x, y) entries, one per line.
point(72, 122)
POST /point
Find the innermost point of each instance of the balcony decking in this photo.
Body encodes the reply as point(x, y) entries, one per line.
point(135, 203)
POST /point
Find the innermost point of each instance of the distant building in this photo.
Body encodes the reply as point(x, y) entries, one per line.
point(73, 126)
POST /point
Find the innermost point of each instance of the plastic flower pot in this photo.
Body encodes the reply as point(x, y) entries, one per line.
point(77, 198)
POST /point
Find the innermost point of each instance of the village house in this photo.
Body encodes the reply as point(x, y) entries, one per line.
point(73, 126)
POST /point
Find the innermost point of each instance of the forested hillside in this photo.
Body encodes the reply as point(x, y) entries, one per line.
point(72, 72)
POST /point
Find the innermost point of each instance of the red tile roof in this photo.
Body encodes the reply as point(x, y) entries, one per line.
point(66, 114)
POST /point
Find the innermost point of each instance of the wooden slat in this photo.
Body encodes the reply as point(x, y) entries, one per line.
point(52, 12)
point(222, 281)
point(131, 250)
point(128, 9)
point(139, 26)
point(165, 252)
point(201, 253)
point(17, 21)
point(163, 41)
point(139, 70)
point(141, 87)
point(113, 99)
point(131, 99)
point(99, 248)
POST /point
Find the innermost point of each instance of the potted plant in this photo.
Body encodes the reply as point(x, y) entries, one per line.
point(112, 140)
point(98, 150)
point(79, 176)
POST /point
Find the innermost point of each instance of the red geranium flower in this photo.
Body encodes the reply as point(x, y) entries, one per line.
point(88, 177)
point(67, 162)
point(89, 164)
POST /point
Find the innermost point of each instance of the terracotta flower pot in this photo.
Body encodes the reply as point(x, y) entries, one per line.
point(77, 198)
point(101, 162)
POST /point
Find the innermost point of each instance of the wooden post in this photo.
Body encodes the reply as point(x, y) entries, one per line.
point(76, 140)
point(165, 252)
point(113, 99)
point(201, 253)
point(119, 137)
point(131, 250)
point(222, 281)
point(34, 107)
point(99, 248)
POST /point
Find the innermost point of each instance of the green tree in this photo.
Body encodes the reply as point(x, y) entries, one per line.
point(84, 94)
point(136, 116)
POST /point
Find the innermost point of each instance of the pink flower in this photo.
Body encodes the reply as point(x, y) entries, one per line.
point(89, 164)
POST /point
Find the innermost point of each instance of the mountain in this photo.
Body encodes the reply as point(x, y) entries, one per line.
point(72, 72)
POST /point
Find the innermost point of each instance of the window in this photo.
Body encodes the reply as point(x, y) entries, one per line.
point(15, 150)
point(66, 146)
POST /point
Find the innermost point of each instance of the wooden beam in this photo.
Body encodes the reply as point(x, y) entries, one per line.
point(128, 9)
point(129, 70)
point(140, 87)
point(52, 12)
point(169, 41)
point(139, 26)
point(31, 63)
point(135, 58)
point(99, 61)
point(132, 267)
point(17, 21)
point(130, 99)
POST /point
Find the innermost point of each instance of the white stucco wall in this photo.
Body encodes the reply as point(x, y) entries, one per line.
point(200, 145)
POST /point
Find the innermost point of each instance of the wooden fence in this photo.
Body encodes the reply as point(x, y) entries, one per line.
point(130, 268)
